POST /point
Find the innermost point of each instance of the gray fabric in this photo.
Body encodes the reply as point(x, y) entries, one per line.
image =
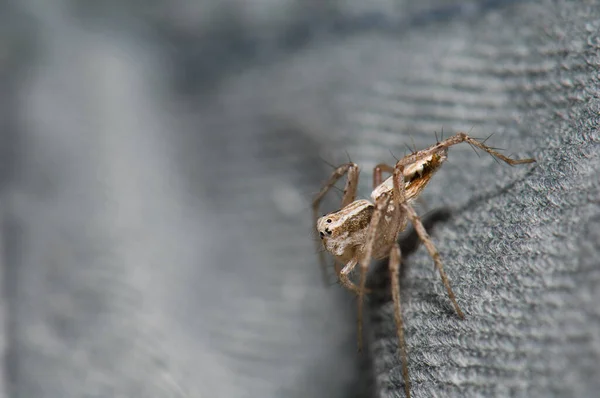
point(158, 162)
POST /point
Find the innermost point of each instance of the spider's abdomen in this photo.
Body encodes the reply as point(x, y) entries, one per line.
point(416, 177)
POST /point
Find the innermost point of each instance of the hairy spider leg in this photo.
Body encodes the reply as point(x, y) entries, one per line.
point(378, 173)
point(394, 266)
point(352, 171)
point(380, 206)
point(457, 139)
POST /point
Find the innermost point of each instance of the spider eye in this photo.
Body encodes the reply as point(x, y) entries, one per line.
point(328, 220)
point(322, 234)
point(328, 231)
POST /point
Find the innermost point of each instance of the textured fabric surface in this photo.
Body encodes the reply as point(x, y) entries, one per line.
point(158, 163)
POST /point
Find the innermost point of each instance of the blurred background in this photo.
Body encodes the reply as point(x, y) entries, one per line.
point(158, 161)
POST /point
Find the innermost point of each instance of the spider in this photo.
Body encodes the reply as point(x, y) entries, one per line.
point(363, 230)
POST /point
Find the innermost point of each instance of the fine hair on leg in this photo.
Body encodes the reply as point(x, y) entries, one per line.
point(394, 266)
point(380, 206)
point(352, 170)
point(433, 252)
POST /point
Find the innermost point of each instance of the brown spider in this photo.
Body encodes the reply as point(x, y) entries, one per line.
point(363, 230)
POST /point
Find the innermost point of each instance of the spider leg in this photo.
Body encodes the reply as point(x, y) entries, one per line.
point(352, 170)
point(399, 188)
point(394, 266)
point(378, 173)
point(462, 137)
point(344, 275)
point(349, 190)
point(337, 266)
point(433, 252)
point(380, 206)
point(457, 139)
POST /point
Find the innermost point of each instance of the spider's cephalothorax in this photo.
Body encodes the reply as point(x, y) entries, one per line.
point(363, 230)
point(344, 231)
